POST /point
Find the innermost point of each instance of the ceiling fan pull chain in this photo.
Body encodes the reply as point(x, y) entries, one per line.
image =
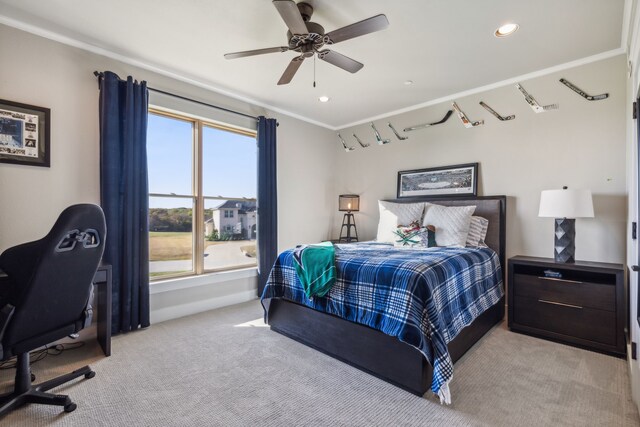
point(314, 71)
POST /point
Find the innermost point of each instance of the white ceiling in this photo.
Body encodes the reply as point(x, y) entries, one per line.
point(444, 46)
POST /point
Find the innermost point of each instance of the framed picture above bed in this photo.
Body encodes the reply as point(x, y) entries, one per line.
point(443, 181)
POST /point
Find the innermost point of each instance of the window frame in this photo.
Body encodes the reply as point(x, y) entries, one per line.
point(197, 196)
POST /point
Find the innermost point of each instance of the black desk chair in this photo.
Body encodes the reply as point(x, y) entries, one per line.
point(45, 297)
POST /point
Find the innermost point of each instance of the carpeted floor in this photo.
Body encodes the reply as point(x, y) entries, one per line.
point(222, 368)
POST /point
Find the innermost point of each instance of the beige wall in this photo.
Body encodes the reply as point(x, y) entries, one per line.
point(49, 74)
point(581, 145)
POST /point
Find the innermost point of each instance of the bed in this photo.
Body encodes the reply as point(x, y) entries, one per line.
point(383, 355)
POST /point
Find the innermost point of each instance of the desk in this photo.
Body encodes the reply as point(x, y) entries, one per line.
point(102, 300)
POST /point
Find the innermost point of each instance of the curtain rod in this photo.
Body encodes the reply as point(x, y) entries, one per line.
point(184, 98)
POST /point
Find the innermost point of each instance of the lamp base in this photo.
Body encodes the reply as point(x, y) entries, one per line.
point(348, 222)
point(565, 240)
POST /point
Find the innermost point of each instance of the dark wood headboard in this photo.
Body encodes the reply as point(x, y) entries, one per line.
point(493, 208)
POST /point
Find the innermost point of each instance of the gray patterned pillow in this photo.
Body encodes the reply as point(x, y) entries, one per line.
point(477, 231)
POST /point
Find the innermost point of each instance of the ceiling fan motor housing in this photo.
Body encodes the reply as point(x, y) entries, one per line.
point(310, 42)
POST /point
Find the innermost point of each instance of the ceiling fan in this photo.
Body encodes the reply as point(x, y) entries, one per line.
point(308, 38)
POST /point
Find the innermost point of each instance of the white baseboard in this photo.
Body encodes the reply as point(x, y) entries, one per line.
point(177, 311)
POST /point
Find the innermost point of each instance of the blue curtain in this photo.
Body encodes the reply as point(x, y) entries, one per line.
point(267, 199)
point(124, 194)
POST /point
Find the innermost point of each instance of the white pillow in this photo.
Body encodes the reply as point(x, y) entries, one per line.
point(477, 231)
point(394, 214)
point(451, 222)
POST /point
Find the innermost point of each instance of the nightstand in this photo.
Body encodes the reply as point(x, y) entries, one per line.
point(581, 303)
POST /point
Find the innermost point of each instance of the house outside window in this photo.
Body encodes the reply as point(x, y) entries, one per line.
point(202, 202)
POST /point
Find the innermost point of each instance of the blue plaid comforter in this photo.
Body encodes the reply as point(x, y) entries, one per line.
point(424, 297)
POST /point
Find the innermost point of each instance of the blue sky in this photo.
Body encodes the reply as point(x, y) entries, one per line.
point(229, 162)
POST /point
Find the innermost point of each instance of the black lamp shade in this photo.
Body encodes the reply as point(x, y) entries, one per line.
point(349, 203)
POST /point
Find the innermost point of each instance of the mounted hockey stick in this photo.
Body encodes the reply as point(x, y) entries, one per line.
point(426, 125)
point(582, 93)
point(400, 137)
point(498, 116)
point(360, 142)
point(464, 119)
point(378, 137)
point(344, 144)
point(533, 103)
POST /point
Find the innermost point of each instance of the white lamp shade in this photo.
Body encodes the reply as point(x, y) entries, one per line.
point(566, 204)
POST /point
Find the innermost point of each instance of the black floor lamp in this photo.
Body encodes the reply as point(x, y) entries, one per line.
point(348, 203)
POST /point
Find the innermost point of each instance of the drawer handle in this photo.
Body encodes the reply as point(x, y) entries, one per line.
point(559, 280)
point(559, 303)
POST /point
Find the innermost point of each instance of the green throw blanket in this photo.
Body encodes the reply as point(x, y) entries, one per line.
point(316, 267)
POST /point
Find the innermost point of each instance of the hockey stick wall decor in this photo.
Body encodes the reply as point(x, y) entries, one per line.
point(344, 144)
point(582, 93)
point(426, 125)
point(498, 116)
point(360, 142)
point(400, 137)
point(464, 119)
point(533, 103)
point(378, 137)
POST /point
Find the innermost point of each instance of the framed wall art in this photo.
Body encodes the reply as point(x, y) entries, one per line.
point(458, 180)
point(24, 134)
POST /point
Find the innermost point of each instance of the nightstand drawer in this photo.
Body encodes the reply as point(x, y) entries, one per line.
point(573, 292)
point(571, 320)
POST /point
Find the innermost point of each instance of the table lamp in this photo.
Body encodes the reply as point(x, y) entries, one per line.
point(348, 203)
point(565, 206)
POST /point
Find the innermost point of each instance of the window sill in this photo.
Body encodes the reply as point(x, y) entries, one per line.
point(178, 283)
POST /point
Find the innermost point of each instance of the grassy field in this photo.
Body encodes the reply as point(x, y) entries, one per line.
point(169, 246)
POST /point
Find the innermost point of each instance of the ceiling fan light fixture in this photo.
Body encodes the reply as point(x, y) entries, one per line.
point(323, 98)
point(506, 30)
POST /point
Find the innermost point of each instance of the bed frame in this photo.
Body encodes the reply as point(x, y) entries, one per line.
point(379, 354)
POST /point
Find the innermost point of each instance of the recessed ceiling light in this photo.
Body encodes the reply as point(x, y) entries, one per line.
point(506, 30)
point(324, 98)
point(408, 82)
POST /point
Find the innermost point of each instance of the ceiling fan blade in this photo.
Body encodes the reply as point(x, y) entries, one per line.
point(291, 70)
point(235, 55)
point(290, 14)
point(370, 25)
point(339, 60)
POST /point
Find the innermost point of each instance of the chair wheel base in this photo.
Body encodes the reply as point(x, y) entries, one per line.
point(26, 393)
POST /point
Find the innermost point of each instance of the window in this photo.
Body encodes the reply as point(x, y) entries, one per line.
point(202, 196)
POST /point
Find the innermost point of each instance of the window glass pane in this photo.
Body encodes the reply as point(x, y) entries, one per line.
point(229, 162)
point(230, 240)
point(170, 236)
point(169, 155)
